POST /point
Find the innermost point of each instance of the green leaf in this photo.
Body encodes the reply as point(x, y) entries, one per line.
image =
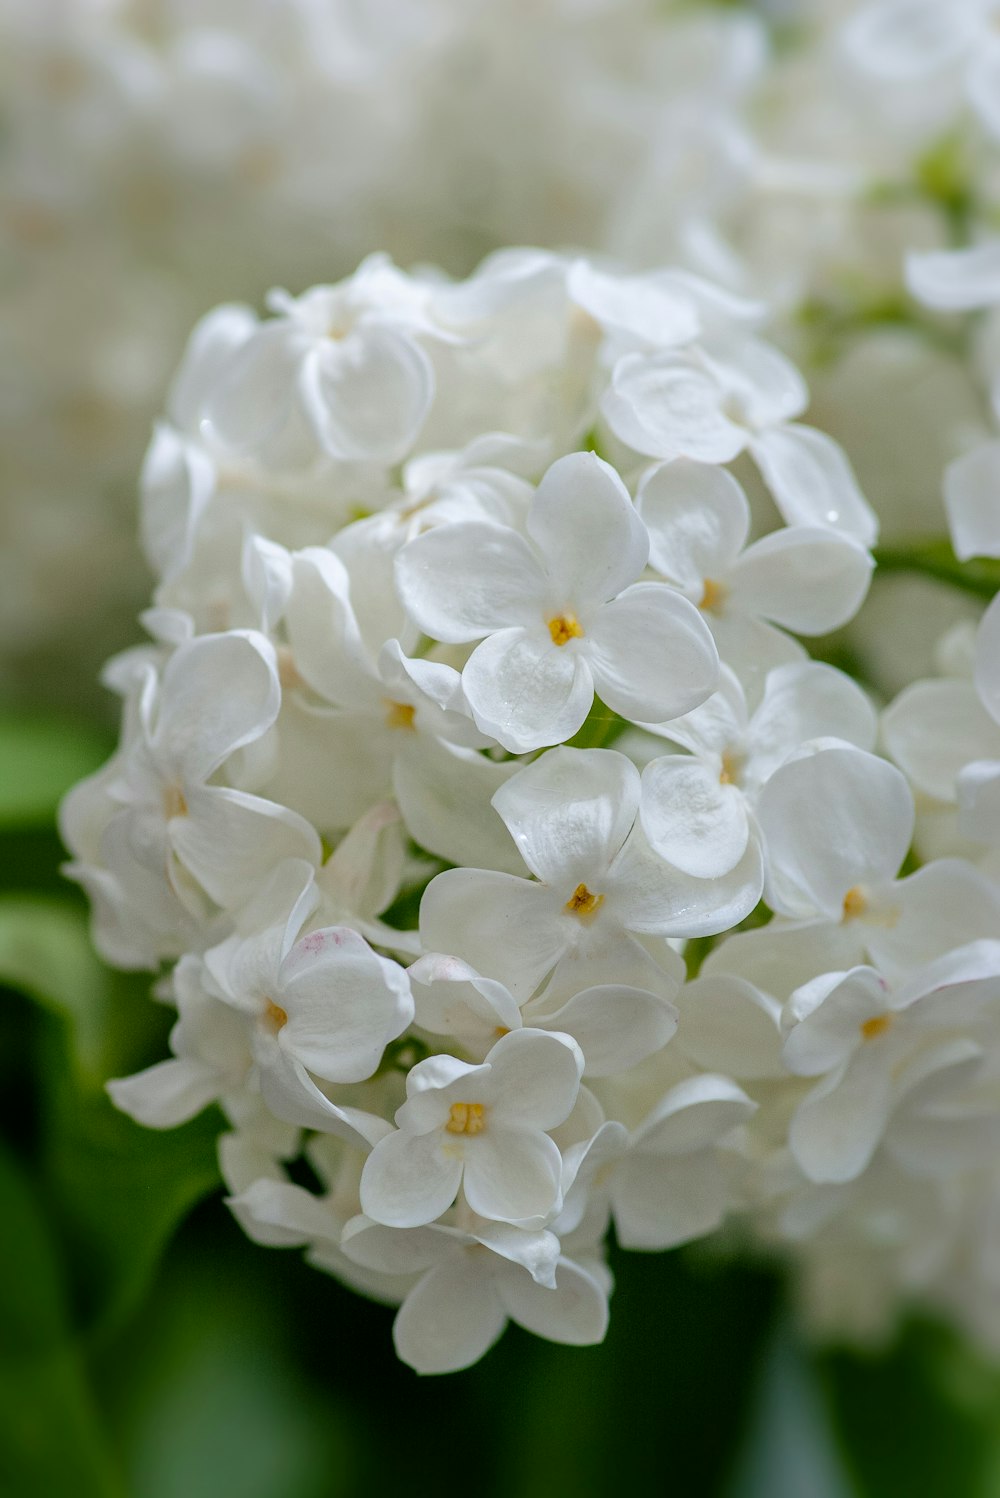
point(40, 758)
point(50, 1442)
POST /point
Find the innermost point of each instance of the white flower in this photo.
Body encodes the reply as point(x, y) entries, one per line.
point(572, 815)
point(484, 1128)
point(561, 612)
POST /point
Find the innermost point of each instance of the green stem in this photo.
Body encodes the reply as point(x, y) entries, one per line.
point(935, 559)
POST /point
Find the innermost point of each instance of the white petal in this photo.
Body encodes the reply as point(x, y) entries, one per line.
point(728, 1025)
point(396, 1250)
point(651, 654)
point(250, 401)
point(167, 1094)
point(933, 729)
point(691, 819)
point(693, 1115)
point(971, 490)
point(983, 82)
point(832, 820)
point(229, 841)
point(833, 1009)
point(534, 1079)
point(808, 700)
point(837, 1128)
point(666, 406)
point(651, 895)
point(586, 527)
point(805, 579)
point(449, 1319)
point(178, 480)
point(812, 483)
point(505, 927)
point(344, 1004)
point(760, 381)
point(651, 309)
point(409, 1179)
point(574, 1313)
point(292, 1095)
point(956, 280)
point(512, 1175)
point(660, 1201)
point(451, 998)
point(280, 1215)
point(444, 794)
point(570, 812)
point(527, 692)
point(946, 904)
point(615, 1027)
point(987, 661)
point(909, 39)
point(367, 395)
point(461, 582)
point(218, 693)
point(698, 520)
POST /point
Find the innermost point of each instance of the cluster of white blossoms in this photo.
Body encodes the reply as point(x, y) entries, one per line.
point(472, 716)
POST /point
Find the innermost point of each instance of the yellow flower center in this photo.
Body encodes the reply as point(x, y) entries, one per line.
point(400, 715)
point(876, 1026)
point(466, 1118)
point(730, 773)
point(582, 903)
point(275, 1015)
point(174, 804)
point(563, 628)
point(713, 594)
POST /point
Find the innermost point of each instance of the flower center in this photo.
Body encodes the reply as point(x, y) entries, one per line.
point(466, 1118)
point(563, 628)
point(174, 804)
point(713, 594)
point(400, 715)
point(730, 772)
point(582, 903)
point(855, 903)
point(876, 1026)
point(275, 1016)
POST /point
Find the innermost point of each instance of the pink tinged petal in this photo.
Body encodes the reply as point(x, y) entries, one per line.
point(660, 1201)
point(692, 820)
point(807, 700)
point(410, 1179)
point(983, 82)
point(834, 1010)
point(534, 1079)
point(574, 1312)
point(728, 1025)
point(933, 729)
point(812, 483)
point(667, 406)
point(168, 1093)
point(910, 39)
point(218, 693)
point(570, 812)
point(343, 1004)
point(527, 692)
point(693, 1115)
point(178, 480)
point(650, 895)
point(230, 841)
point(449, 1319)
point(505, 927)
point(615, 1027)
point(585, 525)
point(836, 1130)
point(832, 820)
point(461, 582)
point(367, 395)
point(651, 654)
point(444, 793)
point(803, 578)
point(512, 1175)
point(956, 280)
point(698, 520)
point(971, 487)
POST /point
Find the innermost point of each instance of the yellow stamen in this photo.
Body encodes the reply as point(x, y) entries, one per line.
point(501, 1031)
point(582, 903)
point(730, 769)
point(466, 1118)
point(275, 1015)
point(855, 903)
point(400, 714)
point(174, 804)
point(877, 1025)
point(563, 628)
point(713, 594)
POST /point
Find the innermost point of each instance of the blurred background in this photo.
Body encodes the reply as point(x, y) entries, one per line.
point(157, 157)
